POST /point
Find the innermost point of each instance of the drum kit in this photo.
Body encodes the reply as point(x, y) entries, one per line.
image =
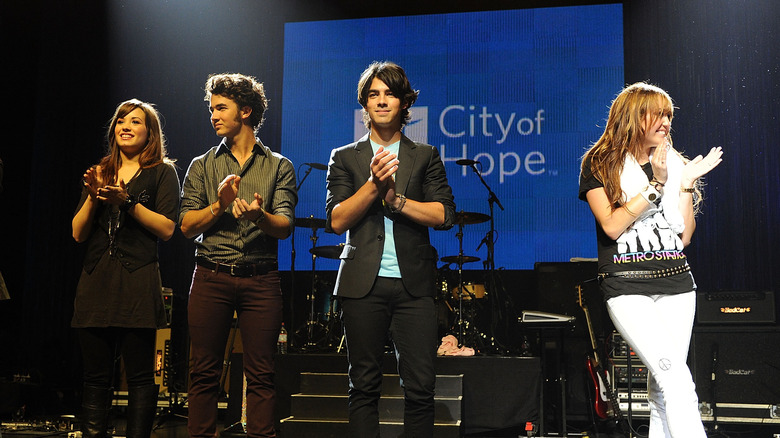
point(457, 299)
point(465, 296)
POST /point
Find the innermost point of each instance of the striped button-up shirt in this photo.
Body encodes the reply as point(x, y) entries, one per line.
point(266, 173)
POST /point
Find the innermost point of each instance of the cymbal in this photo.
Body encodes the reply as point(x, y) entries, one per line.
point(455, 259)
point(309, 222)
point(329, 252)
point(469, 218)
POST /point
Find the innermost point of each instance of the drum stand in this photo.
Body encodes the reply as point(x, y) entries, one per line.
point(460, 259)
point(461, 331)
point(312, 324)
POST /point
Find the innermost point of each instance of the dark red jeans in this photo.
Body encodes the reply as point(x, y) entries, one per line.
point(258, 303)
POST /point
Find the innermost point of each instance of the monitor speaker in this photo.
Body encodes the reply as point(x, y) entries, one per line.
point(745, 363)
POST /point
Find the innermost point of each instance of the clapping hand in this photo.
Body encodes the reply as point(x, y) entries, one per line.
point(92, 181)
point(700, 166)
point(383, 167)
point(228, 190)
point(245, 210)
point(115, 195)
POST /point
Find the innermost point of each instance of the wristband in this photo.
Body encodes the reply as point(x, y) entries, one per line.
point(688, 189)
point(400, 204)
point(130, 201)
point(651, 195)
point(260, 219)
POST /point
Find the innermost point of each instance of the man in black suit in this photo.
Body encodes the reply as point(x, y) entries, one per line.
point(385, 191)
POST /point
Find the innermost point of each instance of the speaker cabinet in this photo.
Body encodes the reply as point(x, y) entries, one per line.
point(745, 363)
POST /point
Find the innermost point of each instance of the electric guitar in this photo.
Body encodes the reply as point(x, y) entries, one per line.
point(606, 404)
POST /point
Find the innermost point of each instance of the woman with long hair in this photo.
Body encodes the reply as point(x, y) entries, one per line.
point(129, 201)
point(644, 195)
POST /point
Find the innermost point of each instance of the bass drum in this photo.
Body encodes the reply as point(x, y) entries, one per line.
point(470, 291)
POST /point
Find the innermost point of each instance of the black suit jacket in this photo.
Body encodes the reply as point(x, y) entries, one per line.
point(420, 177)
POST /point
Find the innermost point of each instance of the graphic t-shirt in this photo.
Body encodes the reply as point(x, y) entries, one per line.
point(648, 244)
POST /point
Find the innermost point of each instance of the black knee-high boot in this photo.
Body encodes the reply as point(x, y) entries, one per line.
point(95, 406)
point(141, 408)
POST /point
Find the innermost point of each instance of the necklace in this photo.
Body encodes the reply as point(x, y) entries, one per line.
point(113, 226)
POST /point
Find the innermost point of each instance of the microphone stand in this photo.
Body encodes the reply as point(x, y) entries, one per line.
point(461, 331)
point(291, 340)
point(489, 262)
point(492, 199)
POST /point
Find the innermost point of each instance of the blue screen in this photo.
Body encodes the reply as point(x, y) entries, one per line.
point(522, 92)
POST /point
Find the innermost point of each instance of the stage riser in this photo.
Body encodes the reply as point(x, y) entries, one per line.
point(338, 383)
point(340, 429)
point(391, 409)
point(498, 392)
point(327, 403)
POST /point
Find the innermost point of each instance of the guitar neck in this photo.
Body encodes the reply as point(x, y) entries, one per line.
point(593, 344)
point(595, 357)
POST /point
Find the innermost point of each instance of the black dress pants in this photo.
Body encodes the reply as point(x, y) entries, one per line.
point(411, 322)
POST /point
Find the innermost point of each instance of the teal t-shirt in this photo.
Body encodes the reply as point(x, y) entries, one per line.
point(389, 266)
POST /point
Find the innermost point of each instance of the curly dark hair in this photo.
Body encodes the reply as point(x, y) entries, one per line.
point(244, 90)
point(395, 78)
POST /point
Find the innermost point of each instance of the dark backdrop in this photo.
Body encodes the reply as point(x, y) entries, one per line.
point(68, 63)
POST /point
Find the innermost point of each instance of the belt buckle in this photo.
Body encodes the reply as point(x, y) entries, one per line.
point(232, 273)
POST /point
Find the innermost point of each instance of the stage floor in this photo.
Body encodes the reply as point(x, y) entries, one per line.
point(178, 429)
point(500, 394)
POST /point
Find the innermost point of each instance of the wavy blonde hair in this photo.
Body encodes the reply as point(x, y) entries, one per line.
point(625, 133)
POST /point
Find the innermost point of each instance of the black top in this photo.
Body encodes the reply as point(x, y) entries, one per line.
point(157, 188)
point(650, 247)
point(122, 288)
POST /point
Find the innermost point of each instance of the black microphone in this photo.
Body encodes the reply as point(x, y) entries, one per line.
point(317, 166)
point(484, 241)
point(466, 162)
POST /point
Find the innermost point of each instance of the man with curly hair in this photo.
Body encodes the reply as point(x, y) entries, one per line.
point(238, 200)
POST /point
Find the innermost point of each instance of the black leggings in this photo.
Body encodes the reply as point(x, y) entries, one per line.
point(101, 346)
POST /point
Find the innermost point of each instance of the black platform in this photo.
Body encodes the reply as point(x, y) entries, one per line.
point(498, 392)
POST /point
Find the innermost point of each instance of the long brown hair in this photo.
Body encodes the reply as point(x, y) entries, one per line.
point(624, 134)
point(154, 152)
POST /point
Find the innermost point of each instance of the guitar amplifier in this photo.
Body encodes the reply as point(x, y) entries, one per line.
point(735, 307)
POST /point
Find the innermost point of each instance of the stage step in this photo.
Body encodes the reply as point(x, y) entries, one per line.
point(292, 428)
point(321, 408)
point(338, 383)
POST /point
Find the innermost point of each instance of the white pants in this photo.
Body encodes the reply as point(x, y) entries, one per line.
point(658, 328)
